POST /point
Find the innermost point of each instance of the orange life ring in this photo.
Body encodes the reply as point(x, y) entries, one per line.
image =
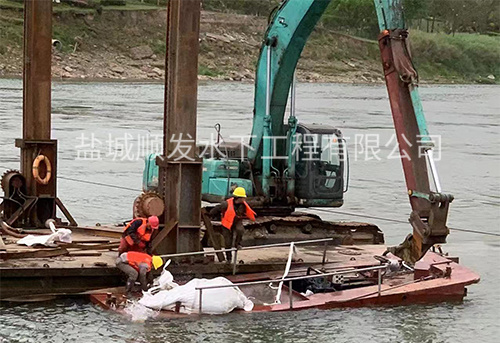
point(48, 167)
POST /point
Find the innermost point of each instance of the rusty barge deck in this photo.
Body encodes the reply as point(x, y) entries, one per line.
point(435, 279)
point(88, 264)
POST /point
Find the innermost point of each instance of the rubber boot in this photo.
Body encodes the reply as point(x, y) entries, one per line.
point(129, 288)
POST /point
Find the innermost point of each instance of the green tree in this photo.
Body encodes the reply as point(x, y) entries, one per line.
point(354, 16)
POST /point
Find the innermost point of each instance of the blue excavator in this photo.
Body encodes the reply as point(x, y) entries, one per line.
point(289, 164)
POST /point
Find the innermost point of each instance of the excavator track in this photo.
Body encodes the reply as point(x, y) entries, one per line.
point(303, 226)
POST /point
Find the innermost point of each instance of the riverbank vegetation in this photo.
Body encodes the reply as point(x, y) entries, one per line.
point(452, 41)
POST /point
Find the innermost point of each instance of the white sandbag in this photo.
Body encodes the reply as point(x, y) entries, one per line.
point(164, 282)
point(61, 235)
point(214, 301)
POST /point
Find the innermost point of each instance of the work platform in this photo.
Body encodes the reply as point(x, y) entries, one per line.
point(89, 262)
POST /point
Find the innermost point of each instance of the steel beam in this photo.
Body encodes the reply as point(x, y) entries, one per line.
point(179, 166)
point(37, 108)
point(37, 69)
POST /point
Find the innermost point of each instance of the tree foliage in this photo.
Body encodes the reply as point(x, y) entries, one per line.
point(358, 17)
point(254, 7)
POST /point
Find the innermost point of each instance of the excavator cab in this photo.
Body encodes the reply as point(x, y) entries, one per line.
point(319, 170)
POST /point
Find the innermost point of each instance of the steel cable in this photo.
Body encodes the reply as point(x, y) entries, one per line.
point(91, 182)
point(400, 221)
point(314, 209)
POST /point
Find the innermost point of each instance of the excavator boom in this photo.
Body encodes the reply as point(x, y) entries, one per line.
point(429, 208)
point(285, 38)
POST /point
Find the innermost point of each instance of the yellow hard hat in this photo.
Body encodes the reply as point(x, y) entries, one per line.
point(240, 192)
point(157, 262)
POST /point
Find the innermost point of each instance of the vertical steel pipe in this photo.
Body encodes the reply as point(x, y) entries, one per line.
point(37, 59)
point(37, 69)
point(432, 165)
point(293, 95)
point(267, 153)
point(324, 253)
point(292, 131)
point(201, 301)
point(379, 282)
point(180, 167)
point(235, 261)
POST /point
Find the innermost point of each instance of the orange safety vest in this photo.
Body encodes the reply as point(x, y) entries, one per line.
point(143, 232)
point(134, 258)
point(230, 214)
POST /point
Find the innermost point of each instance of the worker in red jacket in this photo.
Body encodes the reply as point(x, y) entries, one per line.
point(136, 265)
point(137, 235)
point(233, 210)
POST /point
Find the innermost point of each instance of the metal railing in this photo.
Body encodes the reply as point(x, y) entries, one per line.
point(253, 247)
point(291, 279)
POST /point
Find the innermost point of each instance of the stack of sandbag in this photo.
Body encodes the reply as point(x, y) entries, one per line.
point(214, 301)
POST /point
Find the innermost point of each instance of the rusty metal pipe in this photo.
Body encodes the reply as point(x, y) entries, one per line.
point(246, 248)
point(8, 230)
point(249, 283)
point(432, 165)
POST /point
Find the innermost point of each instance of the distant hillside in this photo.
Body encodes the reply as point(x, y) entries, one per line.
point(130, 44)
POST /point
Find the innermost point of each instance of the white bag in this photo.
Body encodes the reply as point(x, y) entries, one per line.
point(60, 235)
point(164, 282)
point(214, 301)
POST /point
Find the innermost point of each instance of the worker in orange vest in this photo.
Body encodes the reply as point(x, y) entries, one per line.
point(137, 235)
point(136, 265)
point(233, 210)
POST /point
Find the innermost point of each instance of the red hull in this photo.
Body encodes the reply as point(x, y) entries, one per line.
point(394, 291)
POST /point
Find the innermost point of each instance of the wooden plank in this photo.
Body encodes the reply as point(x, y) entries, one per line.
point(100, 231)
point(2, 244)
point(84, 253)
point(108, 246)
point(211, 234)
point(38, 253)
point(90, 241)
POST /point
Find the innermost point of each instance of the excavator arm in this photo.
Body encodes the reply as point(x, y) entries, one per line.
point(287, 33)
point(429, 207)
point(288, 30)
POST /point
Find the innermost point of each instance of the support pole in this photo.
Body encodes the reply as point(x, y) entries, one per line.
point(180, 166)
point(37, 69)
point(37, 110)
point(379, 282)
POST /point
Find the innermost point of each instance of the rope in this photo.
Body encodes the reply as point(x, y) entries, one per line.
point(402, 221)
point(100, 184)
point(91, 182)
point(314, 209)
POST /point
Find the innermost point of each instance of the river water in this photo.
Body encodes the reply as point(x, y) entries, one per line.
point(103, 130)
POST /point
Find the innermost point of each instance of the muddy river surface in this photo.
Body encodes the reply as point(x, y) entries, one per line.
point(104, 129)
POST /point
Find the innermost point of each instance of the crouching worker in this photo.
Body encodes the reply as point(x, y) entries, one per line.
point(233, 210)
point(137, 265)
point(137, 235)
